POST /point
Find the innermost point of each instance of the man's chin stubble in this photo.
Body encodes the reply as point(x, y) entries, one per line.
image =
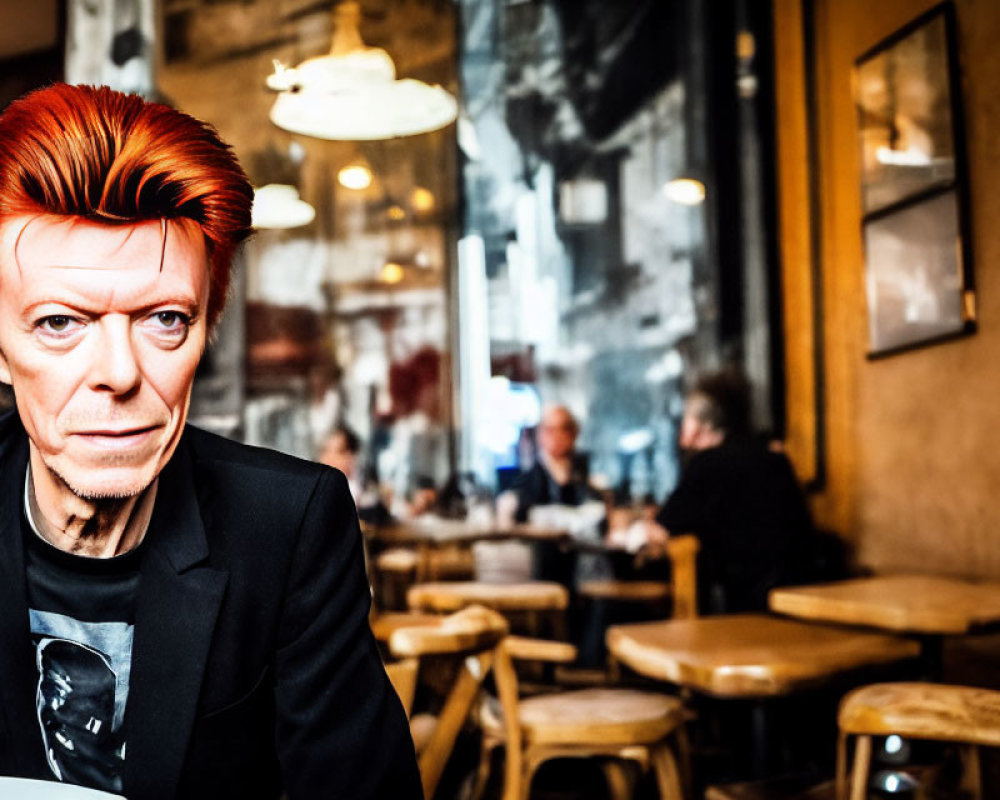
point(101, 496)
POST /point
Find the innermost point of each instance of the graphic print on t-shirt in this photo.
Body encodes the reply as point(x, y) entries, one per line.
point(83, 675)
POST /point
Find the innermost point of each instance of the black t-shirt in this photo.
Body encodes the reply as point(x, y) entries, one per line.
point(81, 616)
point(744, 504)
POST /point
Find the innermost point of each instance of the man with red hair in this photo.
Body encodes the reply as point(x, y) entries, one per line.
point(180, 615)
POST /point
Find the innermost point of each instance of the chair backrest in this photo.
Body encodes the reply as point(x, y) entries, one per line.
point(511, 649)
point(683, 552)
point(471, 634)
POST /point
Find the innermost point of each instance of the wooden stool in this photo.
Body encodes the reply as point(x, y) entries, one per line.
point(961, 714)
point(644, 727)
point(398, 568)
point(530, 599)
point(394, 570)
point(384, 625)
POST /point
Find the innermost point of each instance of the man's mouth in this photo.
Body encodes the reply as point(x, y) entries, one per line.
point(114, 438)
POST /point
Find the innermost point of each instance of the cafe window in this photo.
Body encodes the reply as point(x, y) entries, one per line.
point(604, 273)
point(590, 230)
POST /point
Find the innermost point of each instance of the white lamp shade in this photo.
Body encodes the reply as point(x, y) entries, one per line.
point(352, 93)
point(278, 206)
point(366, 111)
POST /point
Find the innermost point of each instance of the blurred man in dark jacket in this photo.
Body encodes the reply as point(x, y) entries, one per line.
point(739, 496)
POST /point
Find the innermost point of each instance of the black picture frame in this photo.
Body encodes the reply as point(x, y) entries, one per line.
point(914, 187)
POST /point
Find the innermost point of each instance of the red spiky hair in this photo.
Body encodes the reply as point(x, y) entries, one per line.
point(111, 157)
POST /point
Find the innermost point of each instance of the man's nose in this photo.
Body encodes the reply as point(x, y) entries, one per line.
point(114, 367)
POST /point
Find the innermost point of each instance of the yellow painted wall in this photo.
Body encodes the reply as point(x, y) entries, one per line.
point(913, 454)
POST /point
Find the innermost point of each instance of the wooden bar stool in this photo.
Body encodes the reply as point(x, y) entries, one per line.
point(532, 600)
point(960, 714)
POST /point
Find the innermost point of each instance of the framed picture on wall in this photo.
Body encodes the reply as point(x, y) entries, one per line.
point(913, 281)
point(914, 191)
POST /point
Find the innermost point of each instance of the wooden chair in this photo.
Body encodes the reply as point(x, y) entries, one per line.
point(681, 590)
point(395, 569)
point(471, 636)
point(643, 727)
point(960, 714)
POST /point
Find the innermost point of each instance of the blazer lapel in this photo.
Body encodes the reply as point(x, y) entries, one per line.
point(178, 601)
point(25, 752)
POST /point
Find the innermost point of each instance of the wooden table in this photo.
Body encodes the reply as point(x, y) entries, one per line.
point(438, 531)
point(431, 538)
point(749, 655)
point(924, 606)
point(450, 596)
point(902, 603)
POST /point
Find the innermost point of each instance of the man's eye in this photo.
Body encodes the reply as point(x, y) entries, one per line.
point(171, 319)
point(58, 323)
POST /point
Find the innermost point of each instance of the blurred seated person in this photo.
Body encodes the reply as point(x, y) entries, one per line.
point(423, 497)
point(739, 496)
point(558, 476)
point(342, 450)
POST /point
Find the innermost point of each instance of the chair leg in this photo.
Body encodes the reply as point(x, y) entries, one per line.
point(618, 780)
point(483, 770)
point(862, 763)
point(514, 787)
point(972, 781)
point(684, 760)
point(840, 776)
point(532, 761)
point(668, 779)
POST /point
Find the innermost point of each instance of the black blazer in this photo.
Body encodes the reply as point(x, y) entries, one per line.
point(253, 665)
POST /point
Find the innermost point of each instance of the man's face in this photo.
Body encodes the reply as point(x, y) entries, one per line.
point(696, 434)
point(336, 454)
point(101, 344)
point(557, 434)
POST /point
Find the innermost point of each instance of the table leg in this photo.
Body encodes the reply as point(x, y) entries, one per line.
point(761, 734)
point(931, 657)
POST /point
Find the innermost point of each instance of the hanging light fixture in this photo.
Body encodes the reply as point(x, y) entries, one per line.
point(685, 191)
point(422, 200)
point(391, 272)
point(352, 93)
point(278, 206)
point(355, 176)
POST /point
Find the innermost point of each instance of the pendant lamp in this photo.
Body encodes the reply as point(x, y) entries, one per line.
point(352, 92)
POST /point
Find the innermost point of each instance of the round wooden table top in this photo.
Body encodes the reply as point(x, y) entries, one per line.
point(906, 603)
point(452, 595)
point(749, 655)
